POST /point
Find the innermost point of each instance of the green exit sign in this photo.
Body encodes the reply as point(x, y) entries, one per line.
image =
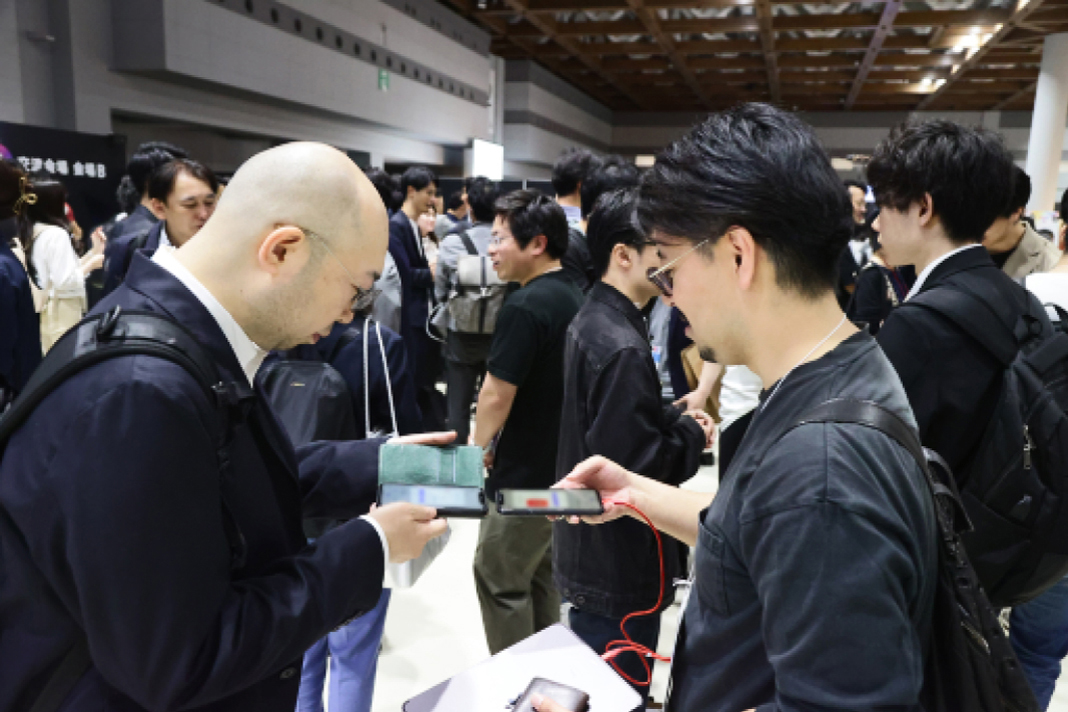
point(383, 80)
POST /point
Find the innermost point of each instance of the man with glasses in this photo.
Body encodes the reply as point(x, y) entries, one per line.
point(146, 564)
point(519, 410)
point(612, 407)
point(815, 563)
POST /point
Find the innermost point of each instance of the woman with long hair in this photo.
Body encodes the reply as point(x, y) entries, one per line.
point(53, 265)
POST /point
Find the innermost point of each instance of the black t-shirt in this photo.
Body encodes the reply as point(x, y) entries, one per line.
point(528, 352)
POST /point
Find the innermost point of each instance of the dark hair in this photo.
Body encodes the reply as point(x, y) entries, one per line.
point(418, 177)
point(850, 183)
point(530, 213)
point(49, 209)
point(455, 201)
point(126, 195)
point(146, 159)
point(761, 168)
point(614, 173)
point(161, 183)
point(467, 182)
point(1064, 207)
point(482, 196)
point(571, 169)
point(386, 185)
point(612, 223)
point(967, 172)
point(1021, 191)
point(11, 172)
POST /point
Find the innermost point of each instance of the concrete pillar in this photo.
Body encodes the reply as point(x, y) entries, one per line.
point(1048, 123)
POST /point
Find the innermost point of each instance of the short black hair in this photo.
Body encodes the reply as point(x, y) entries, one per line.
point(482, 196)
point(571, 169)
point(763, 169)
point(614, 173)
point(1064, 206)
point(386, 185)
point(530, 213)
point(418, 177)
point(967, 171)
point(455, 200)
point(147, 158)
point(161, 183)
point(1021, 191)
point(612, 223)
point(850, 183)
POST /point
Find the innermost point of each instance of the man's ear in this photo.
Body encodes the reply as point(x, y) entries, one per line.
point(539, 245)
point(157, 207)
point(742, 249)
point(285, 250)
point(621, 253)
point(1018, 215)
point(926, 206)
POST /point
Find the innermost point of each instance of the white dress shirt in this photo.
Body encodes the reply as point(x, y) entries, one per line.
point(249, 355)
point(930, 268)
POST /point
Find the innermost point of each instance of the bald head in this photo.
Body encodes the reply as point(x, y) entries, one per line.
point(310, 185)
point(263, 253)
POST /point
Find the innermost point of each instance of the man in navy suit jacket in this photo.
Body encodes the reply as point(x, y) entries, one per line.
point(114, 506)
point(419, 187)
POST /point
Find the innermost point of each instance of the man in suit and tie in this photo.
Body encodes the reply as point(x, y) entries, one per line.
point(419, 186)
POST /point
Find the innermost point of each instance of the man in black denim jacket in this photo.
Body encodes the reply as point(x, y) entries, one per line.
point(613, 407)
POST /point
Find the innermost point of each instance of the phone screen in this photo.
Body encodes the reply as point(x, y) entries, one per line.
point(552, 501)
point(432, 496)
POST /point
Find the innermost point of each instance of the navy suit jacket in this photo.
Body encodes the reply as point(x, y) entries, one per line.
point(417, 288)
point(111, 527)
point(116, 255)
point(20, 327)
point(348, 361)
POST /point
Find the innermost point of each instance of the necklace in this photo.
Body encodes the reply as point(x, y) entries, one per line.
point(806, 357)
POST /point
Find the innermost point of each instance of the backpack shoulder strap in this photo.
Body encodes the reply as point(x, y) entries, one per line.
point(979, 319)
point(952, 517)
point(109, 335)
point(469, 244)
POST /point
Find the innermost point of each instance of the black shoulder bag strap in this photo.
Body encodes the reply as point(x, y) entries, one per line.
point(110, 335)
point(872, 415)
point(469, 244)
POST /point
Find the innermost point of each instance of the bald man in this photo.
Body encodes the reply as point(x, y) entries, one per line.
point(113, 509)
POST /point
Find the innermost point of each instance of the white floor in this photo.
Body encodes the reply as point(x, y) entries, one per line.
point(434, 629)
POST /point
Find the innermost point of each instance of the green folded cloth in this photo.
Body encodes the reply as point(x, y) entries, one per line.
point(459, 465)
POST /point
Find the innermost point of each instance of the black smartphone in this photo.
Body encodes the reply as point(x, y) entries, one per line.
point(531, 502)
point(448, 500)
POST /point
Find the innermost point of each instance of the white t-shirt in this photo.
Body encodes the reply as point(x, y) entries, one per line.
point(739, 394)
point(59, 272)
point(1049, 287)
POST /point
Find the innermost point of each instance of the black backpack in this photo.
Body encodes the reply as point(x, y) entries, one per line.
point(970, 665)
point(130, 333)
point(310, 398)
point(1016, 482)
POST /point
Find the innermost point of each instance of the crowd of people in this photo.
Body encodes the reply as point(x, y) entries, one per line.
point(602, 337)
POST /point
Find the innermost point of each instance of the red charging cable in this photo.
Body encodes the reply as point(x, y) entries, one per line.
point(617, 647)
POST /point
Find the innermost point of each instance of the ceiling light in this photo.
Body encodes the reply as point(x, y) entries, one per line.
point(644, 161)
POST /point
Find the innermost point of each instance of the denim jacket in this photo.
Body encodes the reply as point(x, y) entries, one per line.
point(612, 407)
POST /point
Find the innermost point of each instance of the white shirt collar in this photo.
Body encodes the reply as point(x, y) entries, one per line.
point(930, 268)
point(249, 355)
point(164, 238)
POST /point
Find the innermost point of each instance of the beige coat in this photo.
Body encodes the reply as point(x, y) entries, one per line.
point(1034, 254)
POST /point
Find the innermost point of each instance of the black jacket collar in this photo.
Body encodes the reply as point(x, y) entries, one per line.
point(972, 258)
point(610, 296)
point(162, 292)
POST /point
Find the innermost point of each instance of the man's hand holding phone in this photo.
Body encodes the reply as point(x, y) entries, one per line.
point(615, 484)
point(408, 527)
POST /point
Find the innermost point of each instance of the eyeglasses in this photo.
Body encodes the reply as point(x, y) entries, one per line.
point(496, 240)
point(364, 298)
point(662, 277)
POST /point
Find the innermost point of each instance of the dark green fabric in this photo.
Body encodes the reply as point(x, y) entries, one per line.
point(427, 465)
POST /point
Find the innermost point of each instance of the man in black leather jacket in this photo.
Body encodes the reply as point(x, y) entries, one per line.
point(612, 407)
